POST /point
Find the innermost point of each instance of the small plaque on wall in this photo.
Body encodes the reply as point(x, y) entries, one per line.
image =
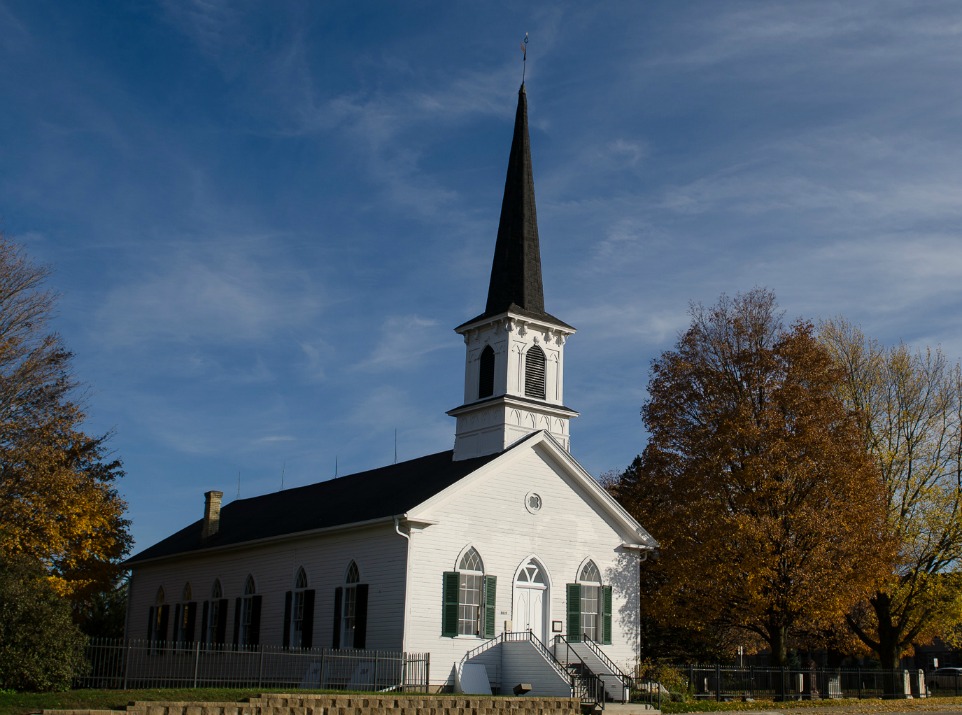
point(556, 626)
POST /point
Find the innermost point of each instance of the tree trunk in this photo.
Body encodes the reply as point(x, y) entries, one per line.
point(778, 642)
point(889, 651)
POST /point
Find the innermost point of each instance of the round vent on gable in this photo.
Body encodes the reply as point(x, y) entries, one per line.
point(532, 502)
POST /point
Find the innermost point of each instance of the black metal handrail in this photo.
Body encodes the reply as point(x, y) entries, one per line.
point(587, 684)
point(626, 680)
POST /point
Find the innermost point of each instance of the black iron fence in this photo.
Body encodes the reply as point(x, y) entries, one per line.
point(743, 683)
point(145, 664)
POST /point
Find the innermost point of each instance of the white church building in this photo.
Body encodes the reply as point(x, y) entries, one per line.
point(503, 552)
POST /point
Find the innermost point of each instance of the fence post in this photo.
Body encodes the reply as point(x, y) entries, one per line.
point(126, 652)
point(717, 683)
point(427, 672)
point(751, 682)
point(858, 675)
point(196, 661)
point(260, 664)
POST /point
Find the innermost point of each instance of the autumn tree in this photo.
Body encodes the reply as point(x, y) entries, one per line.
point(58, 500)
point(909, 408)
point(770, 516)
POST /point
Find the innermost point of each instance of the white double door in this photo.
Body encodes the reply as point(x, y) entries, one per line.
point(530, 600)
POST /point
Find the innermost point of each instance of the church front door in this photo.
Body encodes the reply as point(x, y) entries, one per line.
point(530, 600)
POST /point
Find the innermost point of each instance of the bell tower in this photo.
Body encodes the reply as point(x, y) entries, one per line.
point(514, 365)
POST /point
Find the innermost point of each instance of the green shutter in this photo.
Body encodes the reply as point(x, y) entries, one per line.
point(490, 599)
point(606, 615)
point(360, 615)
point(449, 605)
point(288, 606)
point(574, 612)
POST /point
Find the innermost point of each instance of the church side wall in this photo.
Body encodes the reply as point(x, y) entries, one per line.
point(380, 554)
point(491, 516)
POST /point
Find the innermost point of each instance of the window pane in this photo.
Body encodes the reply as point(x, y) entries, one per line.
point(297, 619)
point(589, 611)
point(590, 573)
point(349, 618)
point(471, 561)
point(469, 605)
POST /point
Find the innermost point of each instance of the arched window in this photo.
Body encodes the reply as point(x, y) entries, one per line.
point(159, 615)
point(590, 580)
point(589, 606)
point(486, 373)
point(213, 629)
point(185, 616)
point(350, 610)
point(349, 614)
point(534, 370)
point(469, 598)
point(247, 619)
point(299, 613)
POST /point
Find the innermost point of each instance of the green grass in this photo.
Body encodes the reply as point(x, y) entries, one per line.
point(841, 706)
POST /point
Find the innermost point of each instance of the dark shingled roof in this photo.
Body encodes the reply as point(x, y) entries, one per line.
point(516, 271)
point(375, 494)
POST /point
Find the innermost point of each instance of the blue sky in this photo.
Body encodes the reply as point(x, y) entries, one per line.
point(265, 218)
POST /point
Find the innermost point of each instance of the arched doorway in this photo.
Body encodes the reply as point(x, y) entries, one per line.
point(531, 599)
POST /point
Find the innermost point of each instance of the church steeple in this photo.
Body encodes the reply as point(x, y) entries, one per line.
point(515, 350)
point(516, 269)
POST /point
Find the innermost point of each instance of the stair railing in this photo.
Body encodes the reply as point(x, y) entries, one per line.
point(586, 684)
point(626, 680)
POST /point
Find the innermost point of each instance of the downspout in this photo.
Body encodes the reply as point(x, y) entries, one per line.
point(407, 581)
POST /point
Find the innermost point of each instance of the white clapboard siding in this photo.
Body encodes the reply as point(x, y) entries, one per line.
point(380, 554)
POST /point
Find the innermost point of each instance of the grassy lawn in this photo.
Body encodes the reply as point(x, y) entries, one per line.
point(833, 706)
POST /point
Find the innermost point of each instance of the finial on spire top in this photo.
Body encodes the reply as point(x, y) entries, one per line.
point(524, 57)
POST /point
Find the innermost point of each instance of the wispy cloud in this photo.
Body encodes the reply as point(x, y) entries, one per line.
point(210, 292)
point(404, 340)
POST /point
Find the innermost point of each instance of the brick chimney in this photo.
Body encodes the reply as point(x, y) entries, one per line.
point(211, 514)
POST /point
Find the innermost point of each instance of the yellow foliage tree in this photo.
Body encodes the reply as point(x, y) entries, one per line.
point(909, 409)
point(58, 501)
point(770, 516)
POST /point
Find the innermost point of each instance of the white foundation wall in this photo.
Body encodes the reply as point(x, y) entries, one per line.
point(490, 515)
point(380, 554)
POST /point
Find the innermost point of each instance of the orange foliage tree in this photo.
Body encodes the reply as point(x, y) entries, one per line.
point(909, 409)
point(770, 516)
point(58, 500)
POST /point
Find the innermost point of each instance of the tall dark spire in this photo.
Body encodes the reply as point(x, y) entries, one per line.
point(516, 270)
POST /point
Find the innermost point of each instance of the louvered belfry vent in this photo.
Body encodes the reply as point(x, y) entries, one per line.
point(534, 373)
